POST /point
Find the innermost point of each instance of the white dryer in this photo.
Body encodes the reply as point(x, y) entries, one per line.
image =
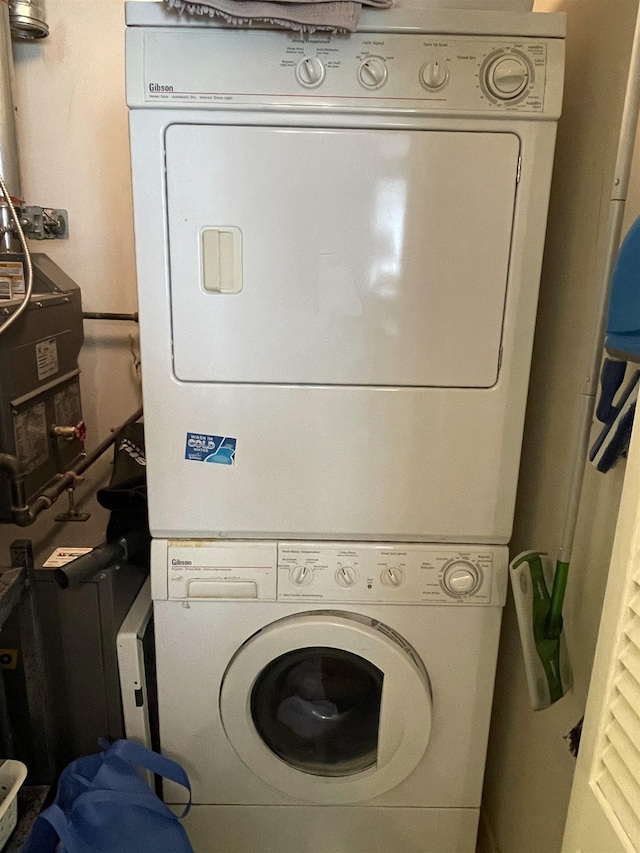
point(339, 241)
point(328, 697)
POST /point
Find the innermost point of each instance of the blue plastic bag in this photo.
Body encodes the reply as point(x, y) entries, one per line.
point(103, 805)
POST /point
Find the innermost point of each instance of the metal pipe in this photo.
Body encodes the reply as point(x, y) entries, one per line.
point(9, 156)
point(11, 466)
point(28, 19)
point(28, 265)
point(109, 315)
point(24, 514)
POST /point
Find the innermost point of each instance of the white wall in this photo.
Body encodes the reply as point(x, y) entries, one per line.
point(72, 121)
point(530, 770)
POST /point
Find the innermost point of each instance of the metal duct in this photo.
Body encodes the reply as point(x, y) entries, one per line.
point(9, 157)
point(28, 20)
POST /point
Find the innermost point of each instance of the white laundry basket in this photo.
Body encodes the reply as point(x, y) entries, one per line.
point(12, 775)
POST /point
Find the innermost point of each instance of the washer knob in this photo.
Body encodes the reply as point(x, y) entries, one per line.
point(392, 576)
point(301, 575)
point(310, 72)
point(461, 578)
point(507, 77)
point(433, 75)
point(346, 576)
point(372, 73)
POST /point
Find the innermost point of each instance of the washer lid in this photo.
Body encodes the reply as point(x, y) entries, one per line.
point(327, 706)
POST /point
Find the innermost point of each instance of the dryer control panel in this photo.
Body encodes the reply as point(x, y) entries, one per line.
point(332, 572)
point(385, 72)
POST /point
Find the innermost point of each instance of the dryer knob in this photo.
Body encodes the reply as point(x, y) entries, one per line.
point(301, 575)
point(372, 72)
point(310, 72)
point(433, 75)
point(461, 578)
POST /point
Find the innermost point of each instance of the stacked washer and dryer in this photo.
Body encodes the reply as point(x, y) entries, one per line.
point(339, 241)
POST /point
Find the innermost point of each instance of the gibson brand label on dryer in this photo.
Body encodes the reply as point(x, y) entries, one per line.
point(201, 447)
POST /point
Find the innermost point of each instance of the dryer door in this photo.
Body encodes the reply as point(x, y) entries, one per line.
point(339, 256)
point(328, 707)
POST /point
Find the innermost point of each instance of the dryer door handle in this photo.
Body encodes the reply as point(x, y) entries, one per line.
point(221, 259)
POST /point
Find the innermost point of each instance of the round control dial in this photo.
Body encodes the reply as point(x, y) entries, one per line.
point(507, 77)
point(310, 72)
point(346, 576)
point(301, 575)
point(461, 578)
point(434, 75)
point(392, 576)
point(372, 73)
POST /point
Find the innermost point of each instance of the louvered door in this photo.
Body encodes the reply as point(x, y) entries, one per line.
point(604, 814)
point(616, 772)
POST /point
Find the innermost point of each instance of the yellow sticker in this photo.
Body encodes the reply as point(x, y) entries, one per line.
point(11, 279)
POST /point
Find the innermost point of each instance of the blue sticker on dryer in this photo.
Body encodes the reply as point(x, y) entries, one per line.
point(201, 447)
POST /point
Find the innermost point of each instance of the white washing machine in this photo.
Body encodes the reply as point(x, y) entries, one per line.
point(339, 241)
point(327, 697)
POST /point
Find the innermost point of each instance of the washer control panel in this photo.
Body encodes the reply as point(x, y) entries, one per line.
point(332, 572)
point(388, 72)
point(401, 574)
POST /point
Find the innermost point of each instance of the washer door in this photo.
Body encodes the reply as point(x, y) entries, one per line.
point(327, 706)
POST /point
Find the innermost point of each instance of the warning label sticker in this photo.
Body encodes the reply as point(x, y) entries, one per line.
point(11, 279)
point(32, 441)
point(67, 405)
point(62, 556)
point(47, 358)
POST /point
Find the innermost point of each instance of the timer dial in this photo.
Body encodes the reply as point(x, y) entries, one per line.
point(507, 77)
point(461, 578)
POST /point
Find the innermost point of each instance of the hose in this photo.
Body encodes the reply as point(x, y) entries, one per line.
point(27, 256)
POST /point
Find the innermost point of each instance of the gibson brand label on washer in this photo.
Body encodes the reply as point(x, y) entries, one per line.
point(210, 448)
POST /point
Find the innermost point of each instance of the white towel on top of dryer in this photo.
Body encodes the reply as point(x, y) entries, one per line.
point(306, 16)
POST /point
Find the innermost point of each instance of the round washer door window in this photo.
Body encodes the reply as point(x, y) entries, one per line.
point(318, 709)
point(327, 706)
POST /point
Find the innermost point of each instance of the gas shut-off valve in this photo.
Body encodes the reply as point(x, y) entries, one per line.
point(44, 223)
